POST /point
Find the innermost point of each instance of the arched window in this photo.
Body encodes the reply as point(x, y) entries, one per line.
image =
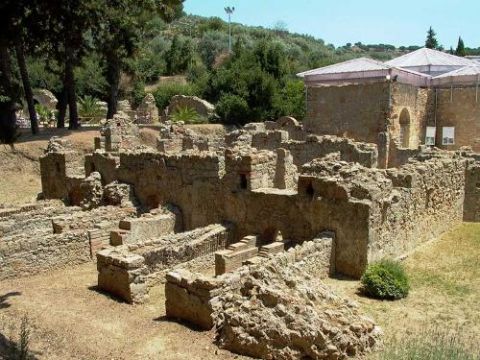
point(404, 138)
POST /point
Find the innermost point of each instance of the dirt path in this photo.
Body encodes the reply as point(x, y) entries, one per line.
point(71, 320)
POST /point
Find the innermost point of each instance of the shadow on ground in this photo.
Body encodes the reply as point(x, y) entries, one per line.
point(188, 325)
point(46, 133)
point(3, 299)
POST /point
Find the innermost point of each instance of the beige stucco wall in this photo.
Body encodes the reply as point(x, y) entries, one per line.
point(356, 111)
point(458, 107)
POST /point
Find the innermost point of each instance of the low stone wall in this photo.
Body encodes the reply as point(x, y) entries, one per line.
point(193, 297)
point(27, 256)
point(128, 271)
point(47, 238)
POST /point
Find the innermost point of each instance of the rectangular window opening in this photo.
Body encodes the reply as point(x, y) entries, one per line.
point(448, 135)
point(430, 137)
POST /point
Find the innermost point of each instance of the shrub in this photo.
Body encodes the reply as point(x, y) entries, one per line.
point(45, 115)
point(385, 279)
point(89, 108)
point(138, 92)
point(187, 115)
point(233, 109)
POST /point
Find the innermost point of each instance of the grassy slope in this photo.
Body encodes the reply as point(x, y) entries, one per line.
point(444, 297)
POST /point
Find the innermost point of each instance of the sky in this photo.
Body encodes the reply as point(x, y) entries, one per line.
point(369, 21)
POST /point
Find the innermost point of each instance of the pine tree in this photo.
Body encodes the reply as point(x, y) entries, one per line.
point(431, 42)
point(460, 48)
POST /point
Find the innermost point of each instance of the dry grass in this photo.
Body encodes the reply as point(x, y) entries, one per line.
point(444, 296)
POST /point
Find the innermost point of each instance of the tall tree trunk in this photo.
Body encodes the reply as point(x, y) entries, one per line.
point(70, 87)
point(22, 65)
point(62, 108)
point(8, 118)
point(113, 79)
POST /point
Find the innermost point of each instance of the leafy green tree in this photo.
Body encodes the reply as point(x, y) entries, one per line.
point(290, 100)
point(233, 109)
point(211, 45)
point(460, 48)
point(431, 42)
point(67, 24)
point(18, 23)
point(180, 55)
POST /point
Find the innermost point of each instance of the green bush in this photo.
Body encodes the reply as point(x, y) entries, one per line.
point(233, 109)
point(138, 92)
point(385, 279)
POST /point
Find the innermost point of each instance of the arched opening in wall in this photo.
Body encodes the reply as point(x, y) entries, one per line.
point(268, 236)
point(404, 137)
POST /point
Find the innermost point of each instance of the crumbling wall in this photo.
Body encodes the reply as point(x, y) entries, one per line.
point(50, 238)
point(247, 170)
point(471, 211)
point(319, 146)
point(128, 271)
point(427, 199)
point(276, 307)
point(194, 297)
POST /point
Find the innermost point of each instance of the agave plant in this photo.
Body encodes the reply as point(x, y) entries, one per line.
point(90, 108)
point(45, 115)
point(187, 115)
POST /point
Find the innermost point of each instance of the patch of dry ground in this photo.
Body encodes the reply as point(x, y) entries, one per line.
point(71, 320)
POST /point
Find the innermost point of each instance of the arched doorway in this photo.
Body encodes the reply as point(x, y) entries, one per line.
point(404, 137)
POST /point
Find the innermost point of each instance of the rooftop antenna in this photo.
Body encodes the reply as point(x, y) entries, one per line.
point(229, 10)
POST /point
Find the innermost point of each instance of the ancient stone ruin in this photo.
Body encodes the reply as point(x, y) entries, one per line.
point(241, 230)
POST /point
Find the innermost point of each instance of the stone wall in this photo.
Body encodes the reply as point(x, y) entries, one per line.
point(471, 211)
point(354, 111)
point(245, 188)
point(193, 297)
point(52, 237)
point(319, 146)
point(128, 271)
point(459, 107)
point(426, 200)
point(304, 147)
point(418, 104)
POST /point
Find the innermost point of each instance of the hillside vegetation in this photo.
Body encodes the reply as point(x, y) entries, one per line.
point(122, 51)
point(256, 81)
